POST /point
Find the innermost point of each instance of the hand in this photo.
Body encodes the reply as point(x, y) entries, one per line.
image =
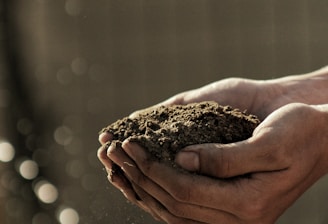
point(257, 97)
point(239, 93)
point(282, 161)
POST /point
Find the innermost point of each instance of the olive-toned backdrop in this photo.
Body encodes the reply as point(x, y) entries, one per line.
point(70, 67)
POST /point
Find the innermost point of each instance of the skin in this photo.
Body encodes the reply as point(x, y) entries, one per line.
point(287, 154)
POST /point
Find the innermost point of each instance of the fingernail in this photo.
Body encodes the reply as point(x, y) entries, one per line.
point(113, 146)
point(133, 149)
point(104, 137)
point(116, 144)
point(188, 160)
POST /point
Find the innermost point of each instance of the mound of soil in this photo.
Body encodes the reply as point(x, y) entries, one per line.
point(164, 131)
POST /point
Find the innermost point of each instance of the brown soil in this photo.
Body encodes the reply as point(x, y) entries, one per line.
point(166, 130)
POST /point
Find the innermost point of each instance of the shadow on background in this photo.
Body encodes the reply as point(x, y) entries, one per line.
point(69, 68)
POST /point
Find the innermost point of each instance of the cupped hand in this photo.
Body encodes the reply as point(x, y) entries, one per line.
point(172, 196)
point(256, 96)
point(285, 156)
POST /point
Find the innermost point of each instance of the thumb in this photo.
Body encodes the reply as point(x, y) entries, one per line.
point(230, 160)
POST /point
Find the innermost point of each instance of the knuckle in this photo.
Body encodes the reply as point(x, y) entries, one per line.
point(177, 209)
point(222, 168)
point(214, 162)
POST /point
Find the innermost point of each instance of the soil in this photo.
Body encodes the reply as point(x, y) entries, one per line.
point(167, 129)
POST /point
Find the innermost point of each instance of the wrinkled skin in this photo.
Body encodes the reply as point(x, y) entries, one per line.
point(285, 156)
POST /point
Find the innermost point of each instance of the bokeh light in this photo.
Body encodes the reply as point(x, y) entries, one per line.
point(46, 192)
point(7, 151)
point(68, 216)
point(28, 169)
point(63, 135)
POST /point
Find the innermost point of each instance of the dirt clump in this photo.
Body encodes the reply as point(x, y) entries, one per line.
point(165, 130)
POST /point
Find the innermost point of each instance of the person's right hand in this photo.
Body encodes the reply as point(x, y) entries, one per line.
point(285, 156)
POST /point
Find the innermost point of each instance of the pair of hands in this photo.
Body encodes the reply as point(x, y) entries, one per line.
point(284, 157)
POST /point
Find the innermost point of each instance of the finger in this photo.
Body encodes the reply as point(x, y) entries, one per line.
point(119, 181)
point(159, 211)
point(121, 159)
point(233, 159)
point(115, 175)
point(117, 178)
point(104, 137)
point(118, 156)
point(111, 168)
point(223, 196)
point(102, 156)
point(174, 207)
point(148, 207)
point(196, 189)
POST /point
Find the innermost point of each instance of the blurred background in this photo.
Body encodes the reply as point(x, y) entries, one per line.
point(70, 67)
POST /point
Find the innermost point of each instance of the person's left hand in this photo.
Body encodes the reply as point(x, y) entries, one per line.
point(284, 157)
